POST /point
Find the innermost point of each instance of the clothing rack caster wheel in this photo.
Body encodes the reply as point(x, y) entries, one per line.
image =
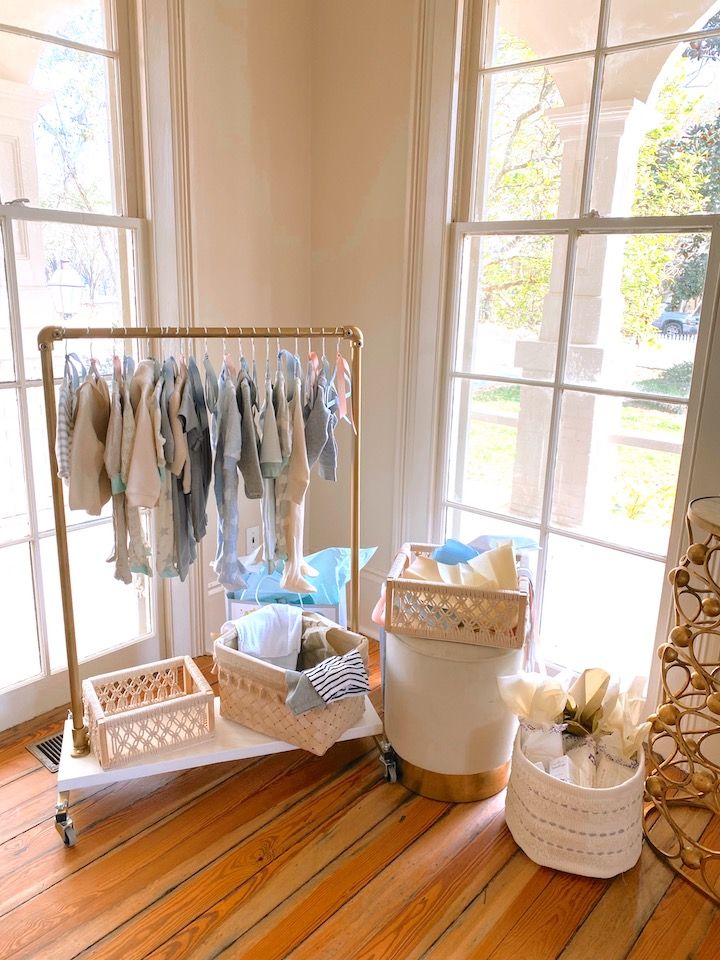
point(63, 822)
point(388, 760)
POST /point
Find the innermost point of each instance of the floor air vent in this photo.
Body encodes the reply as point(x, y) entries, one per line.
point(48, 751)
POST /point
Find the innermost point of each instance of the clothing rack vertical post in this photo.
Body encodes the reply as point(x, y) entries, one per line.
point(48, 336)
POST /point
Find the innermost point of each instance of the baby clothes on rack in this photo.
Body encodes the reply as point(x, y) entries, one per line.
point(249, 454)
point(271, 462)
point(113, 462)
point(143, 483)
point(165, 561)
point(150, 445)
point(228, 441)
point(89, 486)
point(298, 478)
point(194, 416)
point(73, 375)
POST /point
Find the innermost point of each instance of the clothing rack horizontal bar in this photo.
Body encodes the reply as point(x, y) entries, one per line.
point(54, 334)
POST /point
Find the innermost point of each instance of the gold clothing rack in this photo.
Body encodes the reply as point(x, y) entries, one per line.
point(49, 336)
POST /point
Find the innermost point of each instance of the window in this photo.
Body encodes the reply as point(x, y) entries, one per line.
point(71, 252)
point(586, 213)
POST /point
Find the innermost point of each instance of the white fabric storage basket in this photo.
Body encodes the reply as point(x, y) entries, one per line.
point(591, 832)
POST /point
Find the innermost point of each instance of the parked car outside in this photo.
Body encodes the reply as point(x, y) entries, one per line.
point(675, 323)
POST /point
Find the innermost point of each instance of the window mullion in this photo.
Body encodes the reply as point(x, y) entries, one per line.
point(24, 415)
point(594, 113)
point(555, 414)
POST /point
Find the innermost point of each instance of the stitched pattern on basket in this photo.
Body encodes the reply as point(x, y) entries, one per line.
point(559, 846)
point(527, 784)
point(561, 826)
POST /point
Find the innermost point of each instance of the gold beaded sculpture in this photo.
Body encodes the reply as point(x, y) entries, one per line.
point(684, 738)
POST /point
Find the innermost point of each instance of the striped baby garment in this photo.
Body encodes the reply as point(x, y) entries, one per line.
point(339, 677)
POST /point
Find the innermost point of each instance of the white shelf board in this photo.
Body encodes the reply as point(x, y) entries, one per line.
point(231, 742)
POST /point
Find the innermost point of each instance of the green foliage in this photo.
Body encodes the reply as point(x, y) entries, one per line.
point(515, 275)
point(73, 150)
point(669, 181)
point(678, 170)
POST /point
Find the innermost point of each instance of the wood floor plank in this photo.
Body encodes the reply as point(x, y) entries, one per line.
point(37, 859)
point(72, 915)
point(616, 922)
point(397, 885)
point(444, 896)
point(27, 802)
point(201, 892)
point(315, 898)
point(17, 764)
point(683, 917)
point(549, 919)
point(485, 911)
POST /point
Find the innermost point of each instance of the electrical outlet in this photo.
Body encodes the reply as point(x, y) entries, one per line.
point(252, 538)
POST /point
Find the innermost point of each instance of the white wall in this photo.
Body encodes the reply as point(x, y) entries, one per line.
point(298, 121)
point(248, 89)
point(362, 59)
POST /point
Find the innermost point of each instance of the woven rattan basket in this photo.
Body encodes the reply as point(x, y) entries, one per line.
point(422, 608)
point(592, 832)
point(147, 710)
point(253, 693)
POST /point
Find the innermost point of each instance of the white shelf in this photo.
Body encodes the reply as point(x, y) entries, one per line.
point(231, 742)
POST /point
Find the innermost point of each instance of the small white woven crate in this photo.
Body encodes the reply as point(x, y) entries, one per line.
point(438, 611)
point(147, 710)
point(594, 832)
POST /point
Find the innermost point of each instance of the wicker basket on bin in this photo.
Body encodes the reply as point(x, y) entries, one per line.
point(253, 693)
point(147, 710)
point(422, 608)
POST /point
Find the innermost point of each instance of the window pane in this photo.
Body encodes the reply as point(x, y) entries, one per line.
point(499, 447)
point(95, 592)
point(56, 145)
point(510, 300)
point(616, 469)
point(75, 276)
point(636, 311)
point(19, 648)
point(81, 20)
point(7, 363)
point(632, 20)
point(469, 527)
point(520, 30)
point(658, 147)
point(600, 608)
point(536, 121)
point(14, 520)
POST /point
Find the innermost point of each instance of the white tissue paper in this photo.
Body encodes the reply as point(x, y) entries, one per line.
point(492, 570)
point(541, 744)
point(581, 753)
point(533, 697)
point(560, 769)
point(272, 633)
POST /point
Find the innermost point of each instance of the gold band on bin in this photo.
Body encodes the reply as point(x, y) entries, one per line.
point(452, 787)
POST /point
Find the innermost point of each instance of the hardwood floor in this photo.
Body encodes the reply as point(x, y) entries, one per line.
point(308, 857)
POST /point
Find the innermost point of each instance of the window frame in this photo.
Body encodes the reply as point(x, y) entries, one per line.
point(127, 155)
point(470, 136)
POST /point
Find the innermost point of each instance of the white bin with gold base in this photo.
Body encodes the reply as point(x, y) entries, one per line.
point(450, 731)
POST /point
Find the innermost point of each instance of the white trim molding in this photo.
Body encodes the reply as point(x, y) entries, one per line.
point(167, 174)
point(427, 245)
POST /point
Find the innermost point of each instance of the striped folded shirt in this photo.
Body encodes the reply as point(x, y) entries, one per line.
point(339, 677)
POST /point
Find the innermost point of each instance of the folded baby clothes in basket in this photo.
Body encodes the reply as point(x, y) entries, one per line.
point(272, 633)
point(333, 679)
